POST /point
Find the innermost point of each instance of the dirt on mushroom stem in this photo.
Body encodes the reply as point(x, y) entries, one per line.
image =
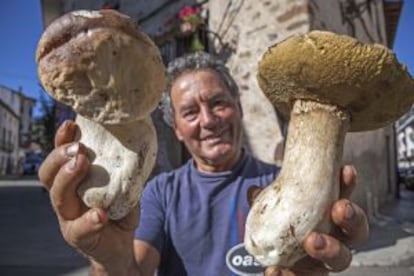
point(308, 181)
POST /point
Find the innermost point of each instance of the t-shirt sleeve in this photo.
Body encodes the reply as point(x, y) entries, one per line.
point(152, 218)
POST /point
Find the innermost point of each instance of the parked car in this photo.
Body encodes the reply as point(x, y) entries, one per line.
point(406, 176)
point(32, 161)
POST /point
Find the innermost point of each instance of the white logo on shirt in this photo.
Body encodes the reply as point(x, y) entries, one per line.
point(239, 261)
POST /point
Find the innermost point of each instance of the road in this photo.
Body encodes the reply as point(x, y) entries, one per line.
point(31, 244)
point(30, 241)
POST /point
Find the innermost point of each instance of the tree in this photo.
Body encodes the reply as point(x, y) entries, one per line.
point(44, 126)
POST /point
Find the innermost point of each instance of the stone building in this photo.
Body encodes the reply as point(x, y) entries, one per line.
point(239, 31)
point(15, 127)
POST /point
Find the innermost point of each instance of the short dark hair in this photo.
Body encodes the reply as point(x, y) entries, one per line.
point(192, 62)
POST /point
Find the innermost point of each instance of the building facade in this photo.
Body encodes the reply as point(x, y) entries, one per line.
point(239, 32)
point(26, 119)
point(15, 127)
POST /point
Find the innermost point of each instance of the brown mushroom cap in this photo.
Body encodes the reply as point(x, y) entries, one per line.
point(101, 64)
point(366, 79)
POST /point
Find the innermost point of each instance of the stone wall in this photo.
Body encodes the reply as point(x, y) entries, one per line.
point(364, 21)
point(247, 28)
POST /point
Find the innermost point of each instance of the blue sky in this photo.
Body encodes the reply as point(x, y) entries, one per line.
point(21, 26)
point(20, 29)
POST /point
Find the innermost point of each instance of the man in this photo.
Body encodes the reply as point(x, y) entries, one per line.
point(192, 218)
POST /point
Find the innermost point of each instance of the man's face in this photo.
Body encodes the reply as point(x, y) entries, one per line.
point(207, 119)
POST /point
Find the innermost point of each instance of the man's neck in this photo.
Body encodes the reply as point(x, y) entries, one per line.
point(208, 167)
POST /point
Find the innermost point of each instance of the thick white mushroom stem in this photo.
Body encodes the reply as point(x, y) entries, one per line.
point(122, 157)
point(299, 200)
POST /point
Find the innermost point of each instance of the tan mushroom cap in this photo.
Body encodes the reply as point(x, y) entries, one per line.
point(365, 79)
point(101, 64)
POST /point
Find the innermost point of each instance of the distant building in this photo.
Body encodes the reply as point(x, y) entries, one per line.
point(26, 119)
point(15, 128)
point(405, 140)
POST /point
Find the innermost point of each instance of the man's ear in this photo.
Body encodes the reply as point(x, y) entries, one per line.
point(174, 126)
point(178, 133)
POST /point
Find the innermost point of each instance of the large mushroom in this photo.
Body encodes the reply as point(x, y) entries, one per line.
point(111, 73)
point(328, 84)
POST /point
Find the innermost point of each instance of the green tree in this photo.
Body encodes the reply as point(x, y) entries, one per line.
point(44, 127)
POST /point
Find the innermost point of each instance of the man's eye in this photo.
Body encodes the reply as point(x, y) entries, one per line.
point(220, 104)
point(189, 115)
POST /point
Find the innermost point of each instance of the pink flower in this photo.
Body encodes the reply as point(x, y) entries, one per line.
point(188, 11)
point(184, 12)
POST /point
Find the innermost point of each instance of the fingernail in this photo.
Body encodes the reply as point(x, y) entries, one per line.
point(319, 242)
point(349, 211)
point(73, 149)
point(93, 216)
point(73, 162)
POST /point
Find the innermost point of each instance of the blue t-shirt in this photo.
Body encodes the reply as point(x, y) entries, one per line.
point(196, 220)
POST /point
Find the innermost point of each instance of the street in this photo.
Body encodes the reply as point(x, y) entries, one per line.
point(30, 241)
point(389, 250)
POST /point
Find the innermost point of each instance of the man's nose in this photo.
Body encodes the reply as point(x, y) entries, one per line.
point(208, 118)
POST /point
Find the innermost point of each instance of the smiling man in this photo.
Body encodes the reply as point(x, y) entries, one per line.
point(192, 218)
point(207, 119)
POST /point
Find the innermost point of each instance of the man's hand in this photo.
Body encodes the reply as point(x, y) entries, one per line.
point(330, 252)
point(108, 244)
